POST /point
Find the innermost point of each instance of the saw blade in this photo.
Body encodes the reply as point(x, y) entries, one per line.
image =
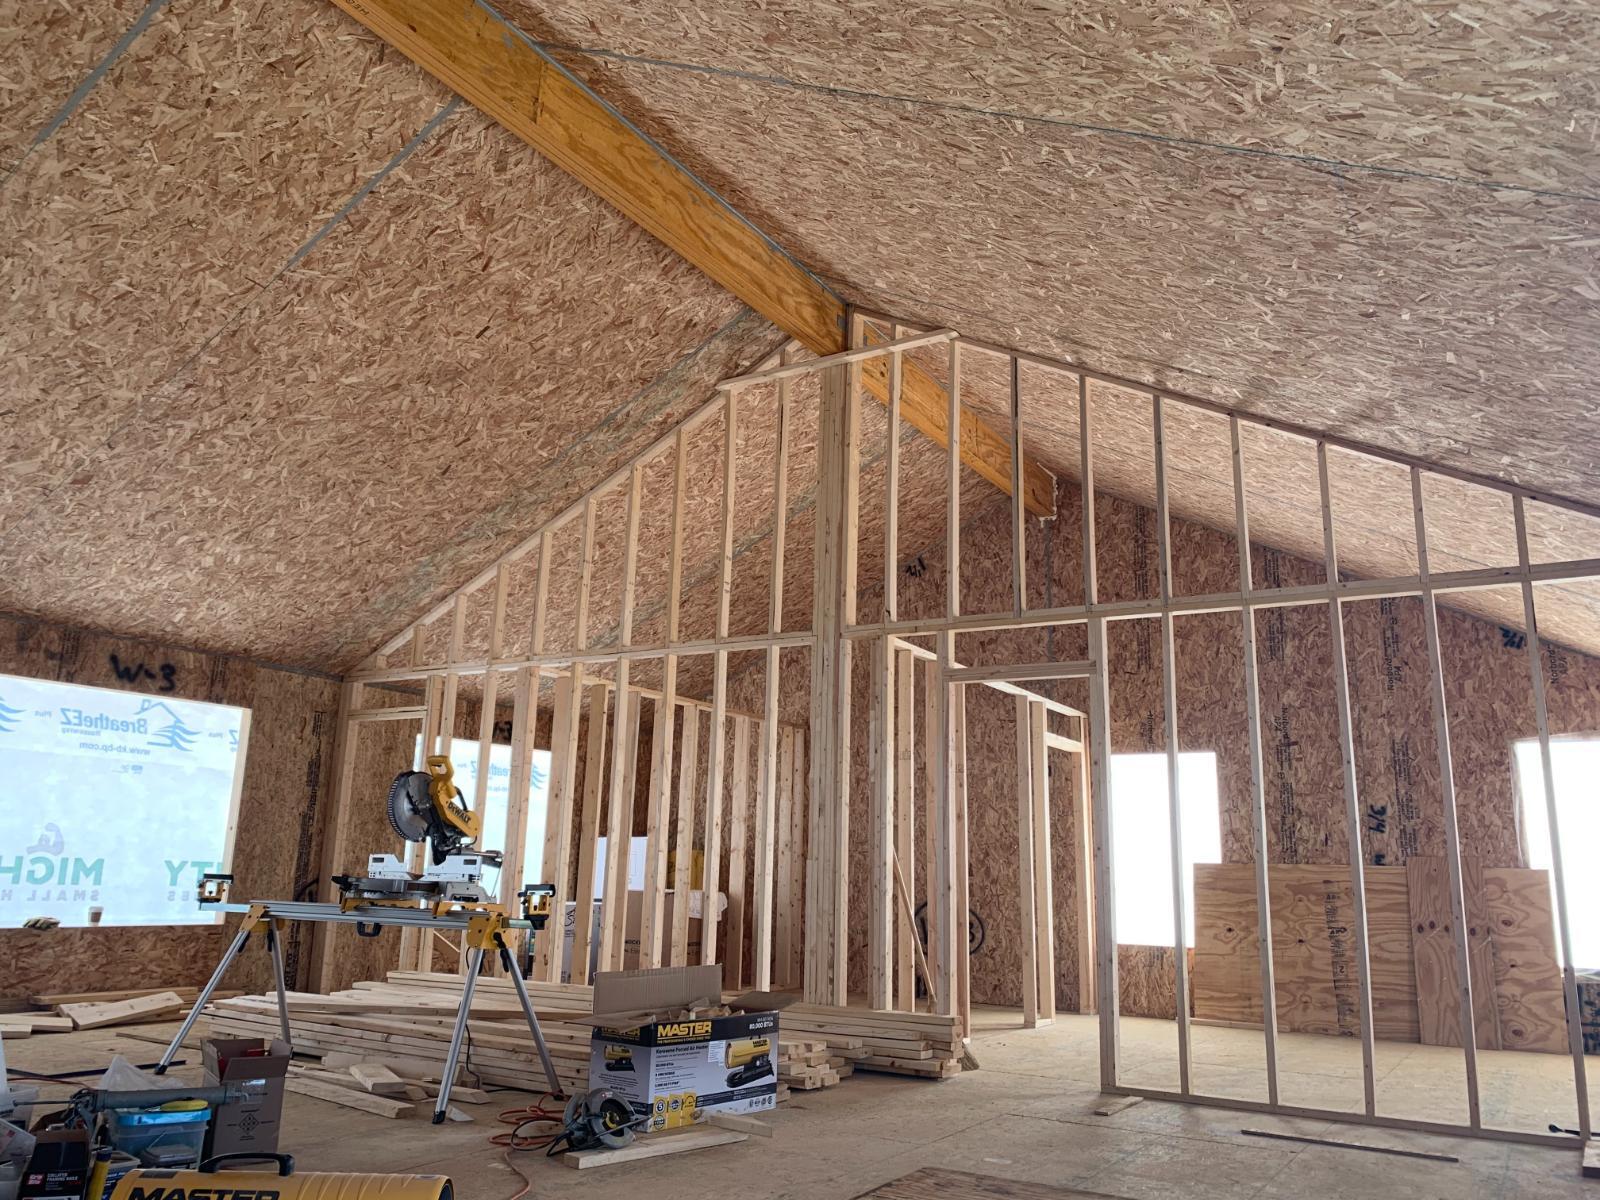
point(410, 805)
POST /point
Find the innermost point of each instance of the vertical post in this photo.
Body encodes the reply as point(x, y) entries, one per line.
point(1258, 792)
point(943, 892)
point(962, 864)
point(1100, 770)
point(739, 774)
point(1029, 971)
point(711, 880)
point(1019, 507)
point(625, 716)
point(1558, 874)
point(1447, 788)
point(891, 503)
point(905, 732)
point(1084, 864)
point(833, 610)
point(932, 729)
point(784, 938)
point(1352, 798)
point(797, 863)
point(1169, 699)
point(1043, 865)
point(880, 873)
point(683, 841)
point(516, 847)
point(655, 878)
point(593, 789)
point(491, 687)
point(558, 825)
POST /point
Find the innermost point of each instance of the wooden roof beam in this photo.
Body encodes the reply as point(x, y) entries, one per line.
point(480, 55)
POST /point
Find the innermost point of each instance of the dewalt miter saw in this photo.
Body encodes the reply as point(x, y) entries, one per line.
point(426, 806)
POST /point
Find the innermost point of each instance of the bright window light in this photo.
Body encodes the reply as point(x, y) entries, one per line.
point(1142, 843)
point(115, 802)
point(497, 800)
point(1575, 762)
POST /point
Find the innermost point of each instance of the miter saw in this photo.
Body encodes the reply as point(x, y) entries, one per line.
point(426, 806)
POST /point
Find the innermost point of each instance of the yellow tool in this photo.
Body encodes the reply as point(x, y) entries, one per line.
point(751, 1059)
point(279, 1184)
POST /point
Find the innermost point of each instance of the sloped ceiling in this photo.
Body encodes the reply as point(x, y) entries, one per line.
point(294, 344)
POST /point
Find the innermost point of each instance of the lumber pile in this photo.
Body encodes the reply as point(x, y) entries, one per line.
point(63, 1012)
point(404, 1023)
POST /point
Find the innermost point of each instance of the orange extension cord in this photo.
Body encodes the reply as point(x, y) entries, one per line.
point(515, 1140)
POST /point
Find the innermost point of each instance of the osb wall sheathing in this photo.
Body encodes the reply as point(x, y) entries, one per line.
point(283, 810)
point(1488, 693)
point(472, 344)
point(1393, 299)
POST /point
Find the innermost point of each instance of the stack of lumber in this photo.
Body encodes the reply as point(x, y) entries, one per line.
point(374, 1087)
point(898, 1043)
point(808, 1065)
point(405, 1022)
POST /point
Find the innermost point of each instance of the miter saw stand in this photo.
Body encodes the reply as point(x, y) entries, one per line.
point(447, 896)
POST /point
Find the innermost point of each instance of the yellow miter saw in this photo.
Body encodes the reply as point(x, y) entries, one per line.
point(426, 806)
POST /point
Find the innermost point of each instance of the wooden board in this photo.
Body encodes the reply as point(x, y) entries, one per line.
point(654, 1146)
point(1532, 1011)
point(123, 1012)
point(933, 1184)
point(1433, 944)
point(1312, 947)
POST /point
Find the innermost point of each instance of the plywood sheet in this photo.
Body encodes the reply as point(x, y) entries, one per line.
point(1433, 943)
point(1531, 1006)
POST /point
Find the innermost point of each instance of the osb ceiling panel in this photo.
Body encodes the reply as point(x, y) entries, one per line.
point(1502, 92)
point(472, 347)
point(1425, 315)
point(213, 149)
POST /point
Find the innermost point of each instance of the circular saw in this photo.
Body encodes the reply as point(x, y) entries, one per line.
point(597, 1119)
point(428, 806)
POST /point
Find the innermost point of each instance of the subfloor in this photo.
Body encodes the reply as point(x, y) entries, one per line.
point(1026, 1115)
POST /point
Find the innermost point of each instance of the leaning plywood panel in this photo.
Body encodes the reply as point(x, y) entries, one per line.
point(1434, 949)
point(1527, 977)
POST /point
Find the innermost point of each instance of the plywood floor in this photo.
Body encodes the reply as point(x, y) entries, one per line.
point(1025, 1116)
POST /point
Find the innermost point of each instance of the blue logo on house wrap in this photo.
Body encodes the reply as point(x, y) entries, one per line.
point(174, 735)
point(8, 716)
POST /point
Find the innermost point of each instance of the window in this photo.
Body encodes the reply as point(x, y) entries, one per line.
point(1142, 843)
point(1575, 763)
point(497, 799)
point(115, 803)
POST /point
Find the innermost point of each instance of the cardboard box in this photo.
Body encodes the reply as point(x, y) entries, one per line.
point(680, 1071)
point(58, 1168)
point(630, 929)
point(249, 1124)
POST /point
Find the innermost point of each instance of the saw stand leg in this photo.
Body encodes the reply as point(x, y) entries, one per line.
point(204, 997)
point(510, 965)
point(275, 946)
point(453, 1059)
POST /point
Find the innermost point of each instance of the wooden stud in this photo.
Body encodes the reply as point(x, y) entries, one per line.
point(588, 838)
point(1043, 865)
point(931, 766)
point(624, 746)
point(683, 841)
point(1019, 509)
point(346, 735)
point(961, 867)
point(655, 872)
point(1084, 817)
point(733, 976)
point(785, 933)
point(1028, 973)
point(1447, 788)
point(711, 880)
point(907, 945)
point(797, 862)
point(1352, 799)
point(557, 862)
point(881, 747)
point(1258, 792)
point(1169, 699)
point(764, 849)
point(1558, 875)
point(891, 503)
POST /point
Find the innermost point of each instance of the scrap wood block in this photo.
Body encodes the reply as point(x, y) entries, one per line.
point(654, 1146)
point(377, 1079)
point(349, 1097)
point(122, 1012)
